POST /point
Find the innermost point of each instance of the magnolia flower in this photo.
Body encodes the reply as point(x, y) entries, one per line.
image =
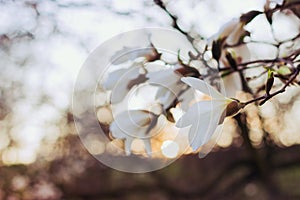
point(205, 116)
point(169, 85)
point(122, 80)
point(131, 124)
point(231, 32)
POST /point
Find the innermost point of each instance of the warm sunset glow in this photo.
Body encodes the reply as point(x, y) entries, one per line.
point(13, 156)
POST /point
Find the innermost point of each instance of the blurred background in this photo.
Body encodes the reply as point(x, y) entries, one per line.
point(43, 44)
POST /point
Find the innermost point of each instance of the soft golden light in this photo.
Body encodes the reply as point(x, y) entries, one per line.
point(96, 147)
point(13, 156)
point(170, 149)
point(9, 156)
point(115, 147)
point(138, 146)
point(104, 115)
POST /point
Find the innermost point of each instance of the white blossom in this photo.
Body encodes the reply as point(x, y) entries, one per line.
point(131, 124)
point(119, 80)
point(231, 32)
point(204, 116)
point(169, 85)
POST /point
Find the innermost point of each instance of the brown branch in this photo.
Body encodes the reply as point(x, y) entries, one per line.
point(175, 21)
point(266, 97)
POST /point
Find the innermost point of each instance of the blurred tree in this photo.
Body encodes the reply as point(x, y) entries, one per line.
point(262, 162)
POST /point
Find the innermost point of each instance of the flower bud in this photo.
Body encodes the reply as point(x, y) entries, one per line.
point(270, 82)
point(249, 16)
point(233, 108)
point(231, 61)
point(216, 49)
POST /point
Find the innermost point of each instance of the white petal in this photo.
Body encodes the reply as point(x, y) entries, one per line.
point(224, 31)
point(243, 52)
point(148, 146)
point(118, 81)
point(197, 110)
point(167, 99)
point(196, 135)
point(127, 146)
point(201, 131)
point(232, 84)
point(186, 98)
point(213, 125)
point(194, 112)
point(166, 96)
point(235, 35)
point(130, 123)
point(119, 92)
point(203, 87)
point(112, 78)
point(138, 117)
point(165, 78)
point(161, 91)
point(169, 85)
point(122, 131)
point(116, 131)
point(228, 28)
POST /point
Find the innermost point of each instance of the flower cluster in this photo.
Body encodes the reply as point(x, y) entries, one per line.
point(230, 61)
point(203, 116)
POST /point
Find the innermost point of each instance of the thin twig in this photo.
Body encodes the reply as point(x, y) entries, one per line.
point(266, 97)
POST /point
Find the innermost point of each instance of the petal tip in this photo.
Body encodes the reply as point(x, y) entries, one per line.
point(195, 147)
point(186, 79)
